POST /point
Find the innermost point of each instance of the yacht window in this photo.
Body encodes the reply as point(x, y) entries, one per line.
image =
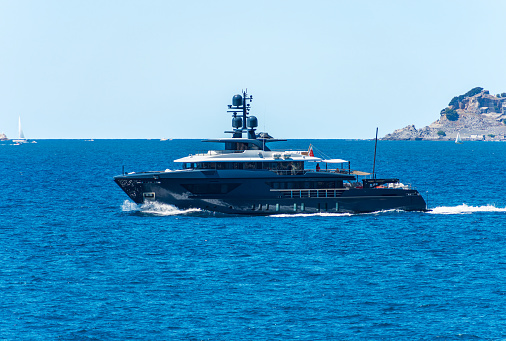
point(325, 184)
point(230, 145)
point(250, 165)
point(210, 188)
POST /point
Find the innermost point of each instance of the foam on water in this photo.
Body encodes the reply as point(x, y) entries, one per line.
point(160, 209)
point(129, 206)
point(155, 208)
point(321, 214)
point(327, 214)
point(465, 209)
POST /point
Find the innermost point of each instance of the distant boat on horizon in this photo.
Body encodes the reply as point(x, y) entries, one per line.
point(21, 138)
point(458, 140)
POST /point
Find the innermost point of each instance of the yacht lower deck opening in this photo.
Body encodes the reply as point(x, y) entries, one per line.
point(149, 196)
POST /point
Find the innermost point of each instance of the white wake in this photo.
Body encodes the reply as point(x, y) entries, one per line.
point(159, 209)
point(465, 209)
point(321, 214)
point(155, 208)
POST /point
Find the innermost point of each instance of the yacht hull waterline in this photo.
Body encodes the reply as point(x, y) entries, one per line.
point(249, 178)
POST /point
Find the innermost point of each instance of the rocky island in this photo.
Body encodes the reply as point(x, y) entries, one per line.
point(477, 115)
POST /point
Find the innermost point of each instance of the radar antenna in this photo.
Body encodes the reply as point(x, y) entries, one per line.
point(240, 125)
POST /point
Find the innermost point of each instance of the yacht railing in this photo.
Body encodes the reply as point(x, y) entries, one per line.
point(305, 171)
point(336, 170)
point(293, 171)
point(324, 192)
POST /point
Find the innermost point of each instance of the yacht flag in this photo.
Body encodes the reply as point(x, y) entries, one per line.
point(311, 150)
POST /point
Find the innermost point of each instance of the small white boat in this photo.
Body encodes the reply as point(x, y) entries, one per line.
point(458, 140)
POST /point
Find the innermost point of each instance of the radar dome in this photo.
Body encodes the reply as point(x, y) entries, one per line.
point(252, 122)
point(236, 122)
point(237, 100)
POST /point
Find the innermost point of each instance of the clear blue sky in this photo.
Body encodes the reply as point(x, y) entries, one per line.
point(168, 69)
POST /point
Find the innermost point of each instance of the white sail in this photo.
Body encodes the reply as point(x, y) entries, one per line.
point(458, 140)
point(21, 135)
point(21, 138)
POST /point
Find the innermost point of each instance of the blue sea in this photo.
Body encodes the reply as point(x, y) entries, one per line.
point(79, 261)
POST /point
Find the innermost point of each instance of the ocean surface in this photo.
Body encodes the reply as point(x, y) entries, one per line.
point(79, 261)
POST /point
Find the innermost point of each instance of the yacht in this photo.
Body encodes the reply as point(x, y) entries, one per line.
point(248, 177)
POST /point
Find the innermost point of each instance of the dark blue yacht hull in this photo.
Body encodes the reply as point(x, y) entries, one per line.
point(257, 192)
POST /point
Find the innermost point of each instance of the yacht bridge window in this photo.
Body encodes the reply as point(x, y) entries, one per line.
point(285, 167)
point(243, 146)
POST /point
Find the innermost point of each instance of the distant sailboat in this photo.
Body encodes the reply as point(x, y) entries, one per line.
point(458, 139)
point(21, 138)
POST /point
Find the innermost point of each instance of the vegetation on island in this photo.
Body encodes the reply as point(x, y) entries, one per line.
point(474, 91)
point(451, 114)
point(441, 133)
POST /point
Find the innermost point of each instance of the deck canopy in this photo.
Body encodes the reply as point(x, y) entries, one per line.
point(335, 161)
point(360, 173)
point(248, 156)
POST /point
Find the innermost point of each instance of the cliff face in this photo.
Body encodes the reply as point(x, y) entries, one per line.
point(476, 115)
